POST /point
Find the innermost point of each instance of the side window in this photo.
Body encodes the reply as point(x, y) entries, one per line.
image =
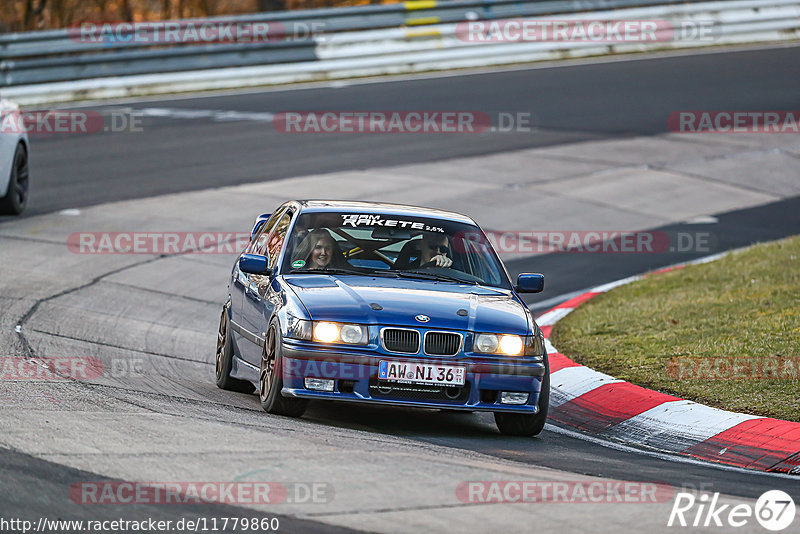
point(259, 242)
point(478, 254)
point(276, 239)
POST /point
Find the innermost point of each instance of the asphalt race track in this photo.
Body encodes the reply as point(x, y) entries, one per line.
point(568, 104)
point(387, 470)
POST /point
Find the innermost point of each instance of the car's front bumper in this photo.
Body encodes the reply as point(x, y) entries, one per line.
point(355, 376)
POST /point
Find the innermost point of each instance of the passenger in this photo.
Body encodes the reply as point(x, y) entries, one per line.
point(317, 250)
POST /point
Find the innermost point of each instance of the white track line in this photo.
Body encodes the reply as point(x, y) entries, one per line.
point(213, 114)
point(553, 316)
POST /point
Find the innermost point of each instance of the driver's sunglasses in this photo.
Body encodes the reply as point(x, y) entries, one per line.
point(438, 248)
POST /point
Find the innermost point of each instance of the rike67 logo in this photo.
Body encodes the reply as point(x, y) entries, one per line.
point(774, 510)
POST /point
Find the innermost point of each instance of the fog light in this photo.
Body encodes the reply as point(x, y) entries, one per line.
point(512, 397)
point(319, 384)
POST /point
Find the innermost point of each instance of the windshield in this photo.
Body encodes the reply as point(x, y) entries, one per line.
point(393, 245)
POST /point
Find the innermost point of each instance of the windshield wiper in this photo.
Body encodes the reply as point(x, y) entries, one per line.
point(332, 270)
point(393, 274)
point(435, 276)
point(339, 270)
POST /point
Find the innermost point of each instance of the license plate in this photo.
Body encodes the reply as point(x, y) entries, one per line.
point(421, 373)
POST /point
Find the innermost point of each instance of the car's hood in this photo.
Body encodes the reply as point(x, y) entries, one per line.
point(399, 301)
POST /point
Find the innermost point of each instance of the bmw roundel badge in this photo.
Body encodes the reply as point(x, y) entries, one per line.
point(422, 318)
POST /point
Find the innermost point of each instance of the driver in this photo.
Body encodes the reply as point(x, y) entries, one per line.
point(434, 251)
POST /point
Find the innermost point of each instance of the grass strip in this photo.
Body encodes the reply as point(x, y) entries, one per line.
point(725, 334)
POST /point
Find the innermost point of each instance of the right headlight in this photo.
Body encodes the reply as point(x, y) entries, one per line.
point(509, 345)
point(506, 344)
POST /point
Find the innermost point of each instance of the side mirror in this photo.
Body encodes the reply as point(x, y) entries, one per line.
point(530, 283)
point(254, 264)
point(260, 220)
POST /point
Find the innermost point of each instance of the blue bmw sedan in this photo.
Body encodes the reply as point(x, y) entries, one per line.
point(385, 304)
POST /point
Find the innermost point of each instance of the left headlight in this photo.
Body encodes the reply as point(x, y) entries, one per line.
point(350, 334)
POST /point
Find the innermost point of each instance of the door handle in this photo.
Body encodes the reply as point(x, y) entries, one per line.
point(252, 289)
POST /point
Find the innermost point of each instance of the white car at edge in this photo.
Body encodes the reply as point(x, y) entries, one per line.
point(14, 177)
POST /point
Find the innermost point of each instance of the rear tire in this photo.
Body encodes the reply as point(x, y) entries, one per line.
point(270, 378)
point(18, 184)
point(224, 359)
point(522, 424)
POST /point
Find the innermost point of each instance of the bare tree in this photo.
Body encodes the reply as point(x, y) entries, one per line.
point(126, 13)
point(26, 15)
point(32, 13)
point(206, 7)
point(271, 5)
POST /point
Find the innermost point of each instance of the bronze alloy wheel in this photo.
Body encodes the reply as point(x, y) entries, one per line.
point(221, 342)
point(224, 359)
point(267, 375)
point(270, 380)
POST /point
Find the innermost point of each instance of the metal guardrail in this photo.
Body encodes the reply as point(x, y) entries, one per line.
point(44, 67)
point(59, 55)
point(412, 12)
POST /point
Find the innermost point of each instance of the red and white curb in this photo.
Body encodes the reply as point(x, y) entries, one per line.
point(609, 408)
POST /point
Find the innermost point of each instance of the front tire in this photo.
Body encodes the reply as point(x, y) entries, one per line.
point(18, 184)
point(270, 379)
point(224, 359)
point(522, 424)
